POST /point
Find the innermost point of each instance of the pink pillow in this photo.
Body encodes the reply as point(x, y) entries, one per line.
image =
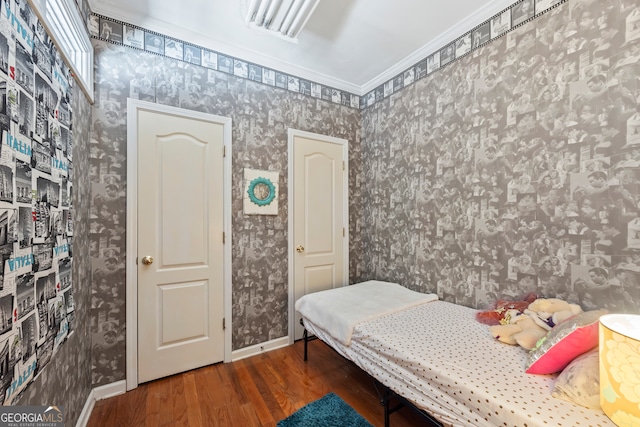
point(565, 342)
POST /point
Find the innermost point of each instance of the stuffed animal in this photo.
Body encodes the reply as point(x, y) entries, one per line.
point(518, 328)
point(526, 328)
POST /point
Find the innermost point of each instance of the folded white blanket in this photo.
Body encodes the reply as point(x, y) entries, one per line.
point(337, 311)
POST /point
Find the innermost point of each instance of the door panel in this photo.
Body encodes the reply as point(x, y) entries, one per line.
point(186, 158)
point(177, 325)
point(316, 278)
point(180, 225)
point(318, 204)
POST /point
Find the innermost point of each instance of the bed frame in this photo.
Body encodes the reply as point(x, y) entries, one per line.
point(386, 396)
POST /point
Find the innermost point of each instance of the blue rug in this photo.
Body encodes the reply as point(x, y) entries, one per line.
point(329, 411)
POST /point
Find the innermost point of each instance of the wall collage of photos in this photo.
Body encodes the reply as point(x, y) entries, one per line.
point(36, 227)
point(515, 169)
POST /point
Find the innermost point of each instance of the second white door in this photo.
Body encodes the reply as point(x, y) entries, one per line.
point(319, 215)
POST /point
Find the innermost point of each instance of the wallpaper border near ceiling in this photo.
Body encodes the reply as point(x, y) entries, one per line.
point(491, 29)
point(125, 34)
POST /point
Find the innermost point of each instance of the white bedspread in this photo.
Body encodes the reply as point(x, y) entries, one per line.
point(337, 311)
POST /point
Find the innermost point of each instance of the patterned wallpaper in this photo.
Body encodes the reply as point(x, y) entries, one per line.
point(44, 346)
point(261, 116)
point(519, 13)
point(516, 168)
point(84, 10)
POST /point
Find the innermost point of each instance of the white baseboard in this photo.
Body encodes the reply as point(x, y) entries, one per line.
point(99, 393)
point(109, 390)
point(259, 348)
point(83, 420)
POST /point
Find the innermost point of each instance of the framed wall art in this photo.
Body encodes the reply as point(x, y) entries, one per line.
point(260, 192)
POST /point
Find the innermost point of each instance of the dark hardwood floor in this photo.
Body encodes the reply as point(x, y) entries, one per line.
point(258, 391)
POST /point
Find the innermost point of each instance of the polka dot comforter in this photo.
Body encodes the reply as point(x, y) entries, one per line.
point(441, 359)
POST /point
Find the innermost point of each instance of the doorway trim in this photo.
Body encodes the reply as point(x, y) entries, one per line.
point(345, 214)
point(133, 106)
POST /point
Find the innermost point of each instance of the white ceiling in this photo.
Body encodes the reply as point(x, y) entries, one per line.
point(353, 45)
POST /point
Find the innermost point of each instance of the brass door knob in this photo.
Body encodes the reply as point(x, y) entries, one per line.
point(148, 260)
point(300, 249)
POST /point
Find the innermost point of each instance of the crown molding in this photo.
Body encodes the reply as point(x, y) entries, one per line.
point(198, 39)
point(455, 32)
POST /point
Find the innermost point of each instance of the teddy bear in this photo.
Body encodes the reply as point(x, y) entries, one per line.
point(527, 327)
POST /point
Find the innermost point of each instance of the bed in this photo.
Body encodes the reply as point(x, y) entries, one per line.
point(436, 356)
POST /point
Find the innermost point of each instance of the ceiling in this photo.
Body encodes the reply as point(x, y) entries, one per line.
point(353, 45)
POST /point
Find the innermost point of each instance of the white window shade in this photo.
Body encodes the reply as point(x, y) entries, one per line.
point(65, 26)
point(283, 18)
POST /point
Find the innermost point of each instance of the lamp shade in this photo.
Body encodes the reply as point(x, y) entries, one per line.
point(620, 368)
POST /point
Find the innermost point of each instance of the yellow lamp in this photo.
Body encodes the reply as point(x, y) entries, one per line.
point(620, 368)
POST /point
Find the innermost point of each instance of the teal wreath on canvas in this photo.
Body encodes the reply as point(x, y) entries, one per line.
point(261, 191)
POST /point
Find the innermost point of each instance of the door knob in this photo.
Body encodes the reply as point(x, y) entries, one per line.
point(300, 249)
point(148, 260)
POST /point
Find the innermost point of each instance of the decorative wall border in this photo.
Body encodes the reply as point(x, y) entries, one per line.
point(495, 27)
point(124, 34)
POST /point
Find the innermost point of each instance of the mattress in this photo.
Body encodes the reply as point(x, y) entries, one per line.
point(437, 356)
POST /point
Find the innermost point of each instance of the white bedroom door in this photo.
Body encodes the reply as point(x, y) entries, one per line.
point(319, 215)
point(180, 243)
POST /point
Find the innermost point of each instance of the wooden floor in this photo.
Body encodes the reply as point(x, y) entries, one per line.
point(258, 391)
